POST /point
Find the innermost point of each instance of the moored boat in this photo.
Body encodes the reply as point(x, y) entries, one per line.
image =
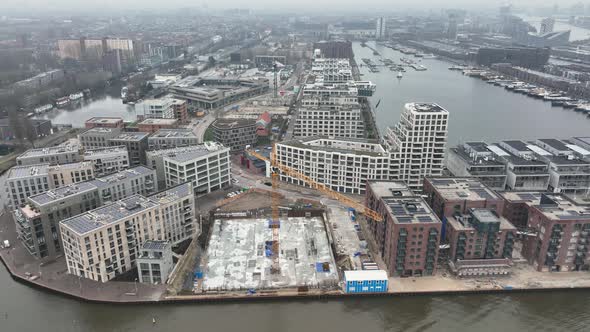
point(62, 102)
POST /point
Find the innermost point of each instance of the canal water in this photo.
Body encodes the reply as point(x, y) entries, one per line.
point(107, 103)
point(26, 309)
point(478, 111)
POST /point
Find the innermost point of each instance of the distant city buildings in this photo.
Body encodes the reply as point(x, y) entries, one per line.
point(380, 30)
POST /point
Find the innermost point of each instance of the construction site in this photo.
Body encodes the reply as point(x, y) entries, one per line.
point(239, 255)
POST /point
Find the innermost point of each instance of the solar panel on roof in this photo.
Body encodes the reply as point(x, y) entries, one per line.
point(424, 219)
point(527, 196)
point(404, 219)
point(483, 193)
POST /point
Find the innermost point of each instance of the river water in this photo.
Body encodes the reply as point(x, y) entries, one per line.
point(478, 111)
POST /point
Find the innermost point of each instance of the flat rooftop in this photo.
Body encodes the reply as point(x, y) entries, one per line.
point(107, 214)
point(100, 130)
point(237, 255)
point(425, 108)
point(60, 193)
point(174, 133)
point(554, 143)
point(562, 208)
point(483, 215)
point(106, 151)
point(172, 194)
point(479, 161)
point(104, 120)
point(158, 122)
point(121, 175)
point(59, 149)
point(383, 189)
point(232, 123)
point(155, 245)
point(131, 136)
point(28, 171)
point(470, 189)
point(205, 148)
point(409, 210)
point(478, 146)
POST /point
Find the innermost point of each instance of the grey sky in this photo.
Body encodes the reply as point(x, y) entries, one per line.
point(306, 5)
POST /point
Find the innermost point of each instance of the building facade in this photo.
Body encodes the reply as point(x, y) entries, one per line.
point(61, 154)
point(172, 138)
point(207, 169)
point(136, 144)
point(153, 125)
point(177, 209)
point(155, 263)
point(235, 133)
point(409, 236)
point(108, 160)
point(418, 142)
point(343, 165)
point(98, 137)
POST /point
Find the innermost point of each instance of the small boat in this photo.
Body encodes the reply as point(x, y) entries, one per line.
point(377, 105)
point(43, 109)
point(76, 96)
point(570, 104)
point(399, 74)
point(62, 102)
point(86, 93)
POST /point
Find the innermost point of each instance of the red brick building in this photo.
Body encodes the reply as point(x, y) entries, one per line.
point(409, 236)
point(517, 205)
point(451, 196)
point(563, 235)
point(480, 238)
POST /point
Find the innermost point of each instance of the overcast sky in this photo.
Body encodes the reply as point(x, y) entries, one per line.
point(305, 5)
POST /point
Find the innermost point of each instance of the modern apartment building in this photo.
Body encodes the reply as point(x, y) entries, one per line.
point(160, 108)
point(475, 159)
point(177, 211)
point(155, 158)
point(124, 183)
point(517, 205)
point(326, 121)
point(25, 181)
point(207, 169)
point(180, 108)
point(136, 144)
point(235, 133)
point(61, 154)
point(108, 160)
point(98, 137)
point(409, 236)
point(37, 222)
point(456, 196)
point(562, 238)
point(103, 243)
point(172, 138)
point(155, 262)
point(380, 31)
point(481, 243)
point(539, 165)
point(418, 142)
point(344, 165)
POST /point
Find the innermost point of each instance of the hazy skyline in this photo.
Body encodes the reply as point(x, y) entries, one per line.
point(266, 5)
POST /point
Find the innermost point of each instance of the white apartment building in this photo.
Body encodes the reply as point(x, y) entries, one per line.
point(108, 160)
point(155, 262)
point(158, 108)
point(344, 165)
point(207, 169)
point(98, 137)
point(155, 158)
point(418, 143)
point(323, 121)
point(177, 212)
point(103, 243)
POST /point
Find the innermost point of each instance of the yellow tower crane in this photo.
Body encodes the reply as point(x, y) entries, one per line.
point(277, 167)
